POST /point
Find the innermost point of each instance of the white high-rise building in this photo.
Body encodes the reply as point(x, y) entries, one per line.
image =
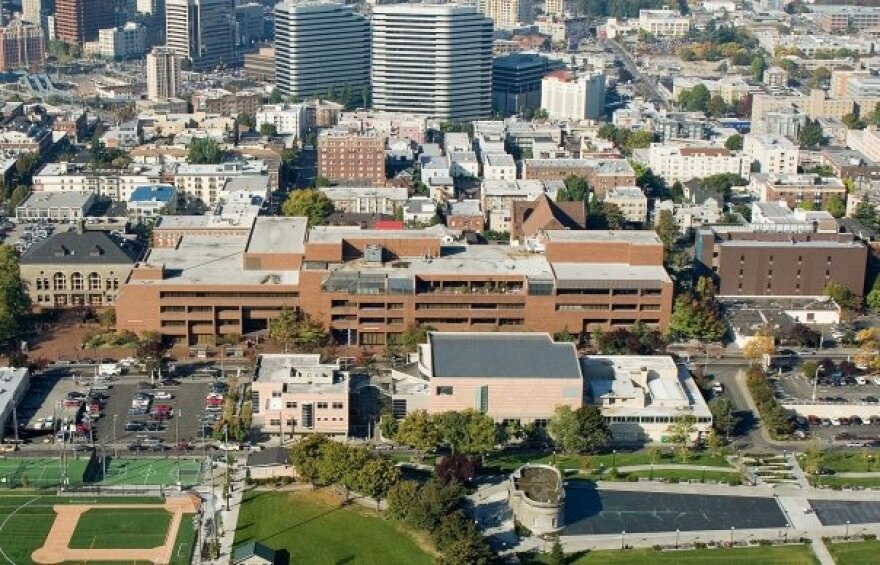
point(32, 11)
point(202, 31)
point(567, 97)
point(433, 60)
point(320, 46)
point(123, 42)
point(163, 73)
point(507, 14)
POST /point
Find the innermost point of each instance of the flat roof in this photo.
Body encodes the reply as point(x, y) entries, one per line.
point(42, 200)
point(209, 260)
point(278, 235)
point(502, 355)
point(637, 237)
point(335, 234)
point(11, 381)
point(790, 243)
point(277, 368)
point(610, 272)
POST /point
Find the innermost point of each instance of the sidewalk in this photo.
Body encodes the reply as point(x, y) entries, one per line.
point(229, 518)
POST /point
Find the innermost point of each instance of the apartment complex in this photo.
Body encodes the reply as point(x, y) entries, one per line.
point(226, 103)
point(366, 286)
point(201, 31)
point(866, 141)
point(366, 200)
point(163, 73)
point(568, 97)
point(682, 163)
point(665, 22)
point(295, 395)
point(507, 14)
point(319, 47)
point(78, 21)
point(207, 182)
point(113, 183)
point(753, 263)
point(351, 157)
point(21, 46)
point(631, 201)
point(766, 153)
point(124, 42)
point(432, 60)
point(602, 174)
point(805, 190)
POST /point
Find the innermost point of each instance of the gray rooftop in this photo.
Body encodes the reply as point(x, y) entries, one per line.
point(638, 237)
point(278, 235)
point(87, 248)
point(46, 200)
point(502, 355)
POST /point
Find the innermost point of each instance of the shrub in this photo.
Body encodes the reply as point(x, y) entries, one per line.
point(699, 545)
point(869, 537)
point(632, 478)
point(735, 480)
point(657, 547)
point(765, 543)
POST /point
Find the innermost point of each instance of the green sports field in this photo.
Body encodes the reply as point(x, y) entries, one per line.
point(39, 473)
point(148, 472)
point(118, 528)
point(25, 521)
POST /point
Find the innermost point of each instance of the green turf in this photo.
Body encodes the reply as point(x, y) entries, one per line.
point(778, 555)
point(153, 472)
point(26, 520)
point(24, 472)
point(680, 474)
point(855, 553)
point(852, 461)
point(314, 529)
point(184, 544)
point(509, 461)
point(118, 528)
point(844, 482)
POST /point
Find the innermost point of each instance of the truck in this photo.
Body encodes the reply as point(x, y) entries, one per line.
point(109, 369)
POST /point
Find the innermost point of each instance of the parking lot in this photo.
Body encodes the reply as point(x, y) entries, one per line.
point(43, 403)
point(592, 511)
point(187, 404)
point(839, 512)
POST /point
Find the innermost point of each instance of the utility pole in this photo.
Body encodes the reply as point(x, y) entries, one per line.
point(228, 484)
point(177, 439)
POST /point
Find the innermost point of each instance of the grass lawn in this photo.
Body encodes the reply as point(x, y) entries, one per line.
point(510, 460)
point(687, 475)
point(833, 481)
point(27, 519)
point(851, 461)
point(184, 544)
point(313, 528)
point(778, 555)
point(855, 553)
point(118, 528)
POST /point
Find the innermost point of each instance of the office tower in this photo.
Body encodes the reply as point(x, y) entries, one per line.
point(566, 96)
point(78, 21)
point(319, 47)
point(433, 60)
point(21, 46)
point(201, 31)
point(163, 73)
point(516, 82)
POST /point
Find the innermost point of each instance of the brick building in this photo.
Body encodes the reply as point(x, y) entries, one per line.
point(781, 264)
point(78, 21)
point(226, 103)
point(798, 190)
point(352, 157)
point(21, 46)
point(602, 174)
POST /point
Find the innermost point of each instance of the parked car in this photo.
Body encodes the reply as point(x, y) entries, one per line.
point(824, 471)
point(861, 380)
point(163, 395)
point(855, 421)
point(717, 388)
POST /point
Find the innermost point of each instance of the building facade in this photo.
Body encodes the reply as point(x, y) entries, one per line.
point(126, 42)
point(516, 82)
point(683, 163)
point(567, 97)
point(78, 21)
point(319, 47)
point(163, 73)
point(21, 46)
point(507, 14)
point(433, 60)
point(351, 157)
point(201, 31)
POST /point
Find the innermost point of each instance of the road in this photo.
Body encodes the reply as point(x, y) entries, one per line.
point(630, 64)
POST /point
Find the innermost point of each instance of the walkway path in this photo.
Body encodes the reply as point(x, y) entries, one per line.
point(859, 475)
point(675, 467)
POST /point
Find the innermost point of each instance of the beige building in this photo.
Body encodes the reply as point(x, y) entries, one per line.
point(76, 268)
point(21, 46)
point(866, 141)
point(631, 201)
point(682, 163)
point(569, 97)
point(366, 200)
point(798, 190)
point(507, 14)
point(765, 153)
point(665, 22)
point(206, 182)
point(497, 199)
point(163, 73)
point(294, 395)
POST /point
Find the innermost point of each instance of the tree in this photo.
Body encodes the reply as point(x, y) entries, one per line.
point(696, 318)
point(205, 151)
point(873, 298)
point(457, 467)
point(809, 369)
point(403, 499)
point(557, 555)
point(283, 328)
point(812, 458)
point(810, 135)
point(247, 121)
point(680, 432)
point(835, 206)
point(388, 426)
point(418, 430)
point(574, 189)
point(667, 228)
point(852, 121)
point(695, 99)
point(723, 418)
point(310, 335)
point(467, 431)
point(717, 107)
point(150, 350)
point(734, 142)
point(758, 66)
point(868, 354)
point(268, 130)
point(375, 478)
point(14, 301)
point(580, 430)
point(312, 204)
point(471, 549)
point(867, 214)
point(614, 218)
point(842, 295)
point(758, 346)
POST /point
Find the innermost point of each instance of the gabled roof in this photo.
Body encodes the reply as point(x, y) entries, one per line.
point(544, 214)
point(252, 549)
point(87, 248)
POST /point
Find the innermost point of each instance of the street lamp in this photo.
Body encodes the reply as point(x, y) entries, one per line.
point(623, 539)
point(816, 381)
point(732, 528)
point(846, 536)
point(652, 471)
point(677, 532)
point(614, 458)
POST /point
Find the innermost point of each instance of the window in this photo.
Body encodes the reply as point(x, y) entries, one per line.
point(322, 406)
point(444, 391)
point(291, 405)
point(276, 394)
point(59, 281)
point(338, 405)
point(76, 281)
point(275, 422)
point(94, 281)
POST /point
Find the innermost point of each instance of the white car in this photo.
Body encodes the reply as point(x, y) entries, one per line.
point(128, 361)
point(861, 380)
point(109, 369)
point(717, 388)
point(835, 421)
point(163, 395)
point(876, 380)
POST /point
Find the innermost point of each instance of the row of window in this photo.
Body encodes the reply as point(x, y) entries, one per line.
point(651, 419)
point(76, 281)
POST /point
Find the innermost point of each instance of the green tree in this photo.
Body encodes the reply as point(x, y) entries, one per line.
point(283, 328)
point(723, 418)
point(418, 430)
point(873, 298)
point(376, 478)
point(695, 318)
point(680, 432)
point(247, 121)
point(18, 196)
point(150, 350)
point(734, 142)
point(403, 500)
point(717, 107)
point(842, 294)
point(468, 431)
point(812, 458)
point(835, 206)
point(312, 204)
point(306, 456)
point(471, 549)
point(810, 135)
point(580, 430)
point(388, 426)
point(14, 301)
point(866, 213)
point(695, 99)
point(268, 130)
point(852, 121)
point(758, 66)
point(574, 189)
point(205, 151)
point(667, 229)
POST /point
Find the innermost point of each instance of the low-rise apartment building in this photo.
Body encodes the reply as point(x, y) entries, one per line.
point(766, 153)
point(117, 184)
point(804, 190)
point(287, 119)
point(226, 103)
point(866, 141)
point(499, 166)
point(682, 163)
point(352, 157)
point(631, 201)
point(66, 207)
point(366, 200)
point(206, 182)
point(294, 395)
point(602, 174)
point(497, 199)
point(664, 23)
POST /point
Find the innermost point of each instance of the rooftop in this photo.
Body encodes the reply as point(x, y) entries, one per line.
point(336, 234)
point(153, 193)
point(11, 380)
point(301, 373)
point(499, 160)
point(45, 200)
point(636, 237)
point(87, 248)
point(278, 235)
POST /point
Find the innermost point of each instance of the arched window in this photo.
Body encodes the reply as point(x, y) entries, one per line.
point(59, 281)
point(76, 281)
point(94, 281)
